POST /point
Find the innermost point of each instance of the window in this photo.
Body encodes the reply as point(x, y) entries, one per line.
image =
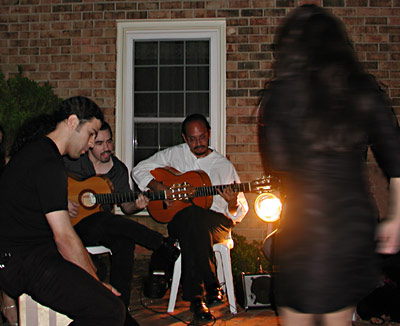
point(167, 70)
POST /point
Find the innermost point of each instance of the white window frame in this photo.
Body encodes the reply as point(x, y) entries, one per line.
point(214, 30)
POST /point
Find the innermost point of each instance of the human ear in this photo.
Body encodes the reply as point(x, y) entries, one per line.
point(184, 137)
point(72, 121)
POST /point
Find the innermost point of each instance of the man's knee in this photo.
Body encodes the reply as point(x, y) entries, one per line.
point(111, 313)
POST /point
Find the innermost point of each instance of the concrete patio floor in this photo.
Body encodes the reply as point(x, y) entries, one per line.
point(153, 312)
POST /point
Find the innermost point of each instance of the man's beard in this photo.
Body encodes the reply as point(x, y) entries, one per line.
point(108, 157)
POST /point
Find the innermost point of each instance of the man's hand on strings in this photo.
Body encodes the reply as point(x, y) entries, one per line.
point(231, 198)
point(141, 202)
point(158, 186)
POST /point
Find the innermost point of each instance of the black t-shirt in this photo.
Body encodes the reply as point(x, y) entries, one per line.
point(32, 184)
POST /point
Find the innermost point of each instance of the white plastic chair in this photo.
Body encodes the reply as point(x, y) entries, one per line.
point(32, 313)
point(224, 274)
point(98, 250)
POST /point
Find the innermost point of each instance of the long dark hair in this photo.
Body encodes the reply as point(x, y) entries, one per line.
point(84, 108)
point(319, 81)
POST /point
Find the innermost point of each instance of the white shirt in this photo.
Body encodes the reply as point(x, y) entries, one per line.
point(217, 166)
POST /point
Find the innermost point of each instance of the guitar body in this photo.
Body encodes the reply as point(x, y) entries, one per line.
point(80, 190)
point(170, 176)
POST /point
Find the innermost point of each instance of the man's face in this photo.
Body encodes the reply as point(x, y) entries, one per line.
point(82, 138)
point(103, 146)
point(197, 137)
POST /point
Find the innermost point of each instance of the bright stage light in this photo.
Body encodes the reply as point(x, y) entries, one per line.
point(268, 207)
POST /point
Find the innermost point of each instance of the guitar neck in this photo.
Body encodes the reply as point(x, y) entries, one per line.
point(213, 190)
point(124, 197)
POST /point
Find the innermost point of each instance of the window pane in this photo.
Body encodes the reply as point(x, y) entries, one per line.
point(171, 105)
point(171, 78)
point(145, 105)
point(146, 53)
point(170, 134)
point(197, 52)
point(197, 78)
point(145, 79)
point(171, 52)
point(198, 103)
point(142, 153)
point(146, 135)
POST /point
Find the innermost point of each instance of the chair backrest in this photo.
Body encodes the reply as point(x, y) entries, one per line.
point(97, 250)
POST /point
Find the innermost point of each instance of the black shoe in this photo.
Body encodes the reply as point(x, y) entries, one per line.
point(200, 310)
point(214, 296)
point(169, 249)
point(129, 320)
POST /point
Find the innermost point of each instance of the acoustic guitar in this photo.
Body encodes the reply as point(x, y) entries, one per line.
point(184, 189)
point(195, 188)
point(91, 193)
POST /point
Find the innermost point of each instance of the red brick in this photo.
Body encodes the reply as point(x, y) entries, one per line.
point(148, 5)
point(81, 92)
point(83, 7)
point(237, 21)
point(193, 4)
point(114, 15)
point(60, 58)
point(380, 3)
point(376, 38)
point(91, 83)
point(263, 3)
point(70, 50)
point(42, 75)
point(79, 75)
point(19, 9)
point(181, 14)
point(227, 13)
point(171, 5)
point(159, 14)
point(68, 84)
point(204, 13)
point(217, 4)
point(92, 49)
point(80, 58)
point(93, 15)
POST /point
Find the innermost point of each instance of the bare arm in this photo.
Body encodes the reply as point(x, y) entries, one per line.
point(388, 233)
point(68, 243)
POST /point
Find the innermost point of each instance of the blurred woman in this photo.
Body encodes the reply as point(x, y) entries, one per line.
point(321, 113)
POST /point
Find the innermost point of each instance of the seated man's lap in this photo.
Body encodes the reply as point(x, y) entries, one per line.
point(64, 287)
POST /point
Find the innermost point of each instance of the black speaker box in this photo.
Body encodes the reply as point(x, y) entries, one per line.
point(255, 291)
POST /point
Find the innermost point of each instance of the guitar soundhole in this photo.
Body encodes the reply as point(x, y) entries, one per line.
point(87, 199)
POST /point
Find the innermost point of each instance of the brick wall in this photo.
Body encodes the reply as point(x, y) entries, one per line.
point(72, 44)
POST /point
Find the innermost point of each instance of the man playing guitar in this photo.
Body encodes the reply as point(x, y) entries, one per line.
point(195, 227)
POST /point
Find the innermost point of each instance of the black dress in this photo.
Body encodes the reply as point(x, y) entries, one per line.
point(325, 247)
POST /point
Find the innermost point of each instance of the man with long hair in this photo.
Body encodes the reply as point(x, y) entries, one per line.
point(40, 252)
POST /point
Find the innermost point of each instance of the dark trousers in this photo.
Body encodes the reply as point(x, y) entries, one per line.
point(64, 287)
point(120, 235)
point(197, 229)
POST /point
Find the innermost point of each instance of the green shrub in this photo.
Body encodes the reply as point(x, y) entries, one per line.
point(22, 98)
point(247, 257)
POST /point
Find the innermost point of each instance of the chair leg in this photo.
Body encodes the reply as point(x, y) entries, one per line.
point(32, 313)
point(176, 277)
point(224, 253)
